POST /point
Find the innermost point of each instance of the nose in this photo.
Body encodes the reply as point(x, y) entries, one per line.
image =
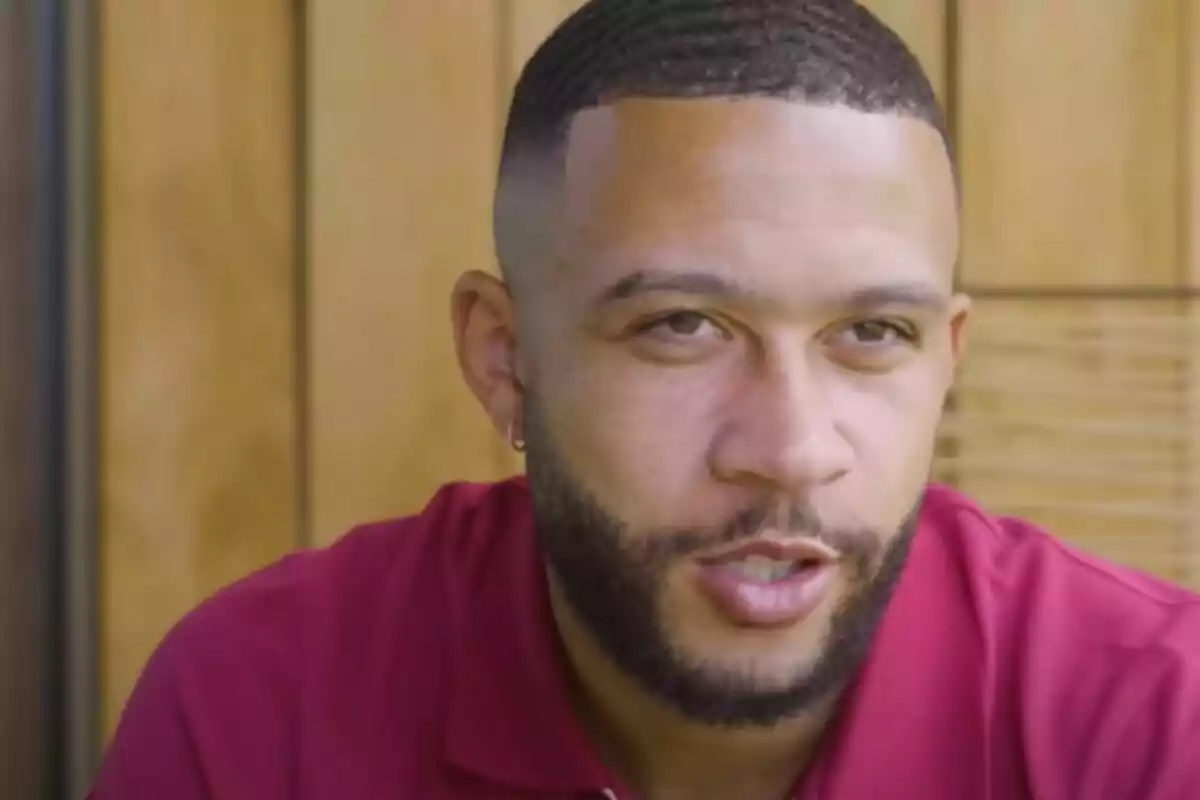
point(781, 432)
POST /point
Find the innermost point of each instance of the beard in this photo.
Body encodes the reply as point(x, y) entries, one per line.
point(613, 583)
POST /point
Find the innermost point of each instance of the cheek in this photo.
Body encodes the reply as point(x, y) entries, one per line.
point(889, 418)
point(638, 434)
point(892, 430)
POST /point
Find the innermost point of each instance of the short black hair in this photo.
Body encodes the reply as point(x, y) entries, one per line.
point(832, 52)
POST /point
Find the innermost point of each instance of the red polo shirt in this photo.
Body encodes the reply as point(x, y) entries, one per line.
point(417, 659)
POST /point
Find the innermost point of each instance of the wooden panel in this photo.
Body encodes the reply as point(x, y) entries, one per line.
point(1069, 125)
point(1073, 413)
point(922, 25)
point(404, 126)
point(1191, 270)
point(23, 673)
point(1073, 417)
point(198, 283)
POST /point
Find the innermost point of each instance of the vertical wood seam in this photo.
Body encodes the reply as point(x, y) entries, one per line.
point(301, 231)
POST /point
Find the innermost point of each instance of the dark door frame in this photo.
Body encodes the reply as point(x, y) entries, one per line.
point(48, 568)
point(24, 615)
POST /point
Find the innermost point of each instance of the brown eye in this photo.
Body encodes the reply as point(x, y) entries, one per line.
point(679, 337)
point(873, 345)
point(683, 326)
point(876, 331)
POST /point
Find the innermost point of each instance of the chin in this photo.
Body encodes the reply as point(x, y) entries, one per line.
point(750, 676)
point(771, 656)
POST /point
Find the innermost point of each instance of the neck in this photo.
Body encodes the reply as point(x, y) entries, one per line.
point(658, 753)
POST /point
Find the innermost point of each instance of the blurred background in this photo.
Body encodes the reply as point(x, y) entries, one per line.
point(228, 231)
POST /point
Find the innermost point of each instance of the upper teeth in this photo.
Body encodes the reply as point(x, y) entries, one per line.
point(763, 569)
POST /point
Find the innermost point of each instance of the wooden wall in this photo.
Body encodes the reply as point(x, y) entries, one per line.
point(200, 288)
point(402, 160)
point(1072, 409)
point(1189, 186)
point(286, 202)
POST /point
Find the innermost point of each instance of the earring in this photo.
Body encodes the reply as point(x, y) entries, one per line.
point(515, 441)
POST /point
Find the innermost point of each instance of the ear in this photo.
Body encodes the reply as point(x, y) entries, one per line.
point(485, 339)
point(960, 314)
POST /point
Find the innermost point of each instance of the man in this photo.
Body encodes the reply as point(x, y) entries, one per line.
point(724, 337)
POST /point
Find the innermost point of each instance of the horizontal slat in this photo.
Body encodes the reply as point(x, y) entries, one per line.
point(1039, 369)
point(1158, 462)
point(1165, 399)
point(1074, 416)
point(1113, 317)
point(1163, 474)
point(1130, 511)
point(1160, 432)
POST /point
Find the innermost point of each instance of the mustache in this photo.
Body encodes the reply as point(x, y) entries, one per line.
point(796, 519)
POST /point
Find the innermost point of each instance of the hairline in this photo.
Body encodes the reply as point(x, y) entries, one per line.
point(555, 142)
point(543, 159)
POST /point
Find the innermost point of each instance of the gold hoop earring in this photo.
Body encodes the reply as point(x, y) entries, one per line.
point(514, 441)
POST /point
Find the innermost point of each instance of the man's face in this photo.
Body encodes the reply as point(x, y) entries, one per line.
point(745, 336)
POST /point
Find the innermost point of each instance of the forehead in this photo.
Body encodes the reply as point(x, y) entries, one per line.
point(757, 184)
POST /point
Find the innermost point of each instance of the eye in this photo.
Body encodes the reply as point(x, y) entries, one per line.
point(683, 327)
point(873, 345)
point(875, 332)
point(679, 337)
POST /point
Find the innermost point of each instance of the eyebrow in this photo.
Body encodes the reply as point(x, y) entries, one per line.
point(909, 294)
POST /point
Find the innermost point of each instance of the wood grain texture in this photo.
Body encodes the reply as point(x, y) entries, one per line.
point(922, 25)
point(1069, 127)
point(1072, 414)
point(405, 120)
point(23, 671)
point(1070, 119)
point(1190, 272)
point(198, 427)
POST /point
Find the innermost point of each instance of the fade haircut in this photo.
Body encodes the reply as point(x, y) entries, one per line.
point(823, 52)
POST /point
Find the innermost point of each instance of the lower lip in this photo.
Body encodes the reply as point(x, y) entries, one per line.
point(756, 604)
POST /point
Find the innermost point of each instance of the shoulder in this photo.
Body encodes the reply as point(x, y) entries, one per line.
point(290, 647)
point(1099, 664)
point(368, 575)
point(1017, 567)
point(362, 568)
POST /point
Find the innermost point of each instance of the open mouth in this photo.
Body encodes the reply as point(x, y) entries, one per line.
point(768, 582)
point(767, 560)
point(762, 569)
